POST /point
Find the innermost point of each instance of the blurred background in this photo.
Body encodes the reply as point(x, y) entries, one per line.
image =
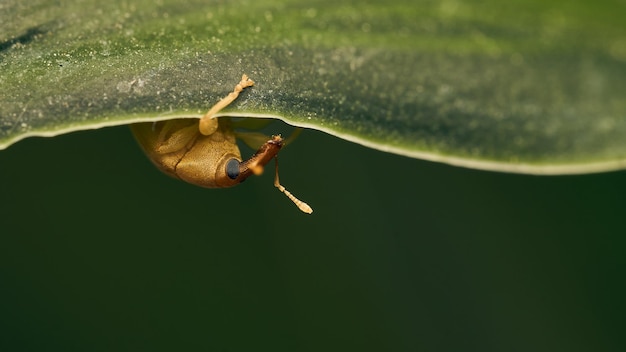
point(100, 251)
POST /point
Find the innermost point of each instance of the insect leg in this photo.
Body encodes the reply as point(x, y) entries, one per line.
point(208, 124)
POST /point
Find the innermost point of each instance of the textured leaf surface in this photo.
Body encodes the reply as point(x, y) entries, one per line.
point(526, 86)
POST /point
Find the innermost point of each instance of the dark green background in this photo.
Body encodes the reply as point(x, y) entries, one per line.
point(100, 251)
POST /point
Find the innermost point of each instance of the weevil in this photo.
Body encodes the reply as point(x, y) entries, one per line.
point(205, 152)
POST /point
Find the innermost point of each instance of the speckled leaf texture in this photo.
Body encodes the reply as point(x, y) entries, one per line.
point(520, 86)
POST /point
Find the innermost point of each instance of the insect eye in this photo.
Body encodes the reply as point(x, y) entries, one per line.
point(232, 168)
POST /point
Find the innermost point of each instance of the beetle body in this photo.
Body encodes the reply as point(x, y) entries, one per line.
point(204, 152)
point(178, 149)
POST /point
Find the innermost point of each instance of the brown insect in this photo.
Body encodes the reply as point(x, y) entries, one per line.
point(206, 153)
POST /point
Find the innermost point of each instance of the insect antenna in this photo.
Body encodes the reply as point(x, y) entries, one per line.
point(300, 204)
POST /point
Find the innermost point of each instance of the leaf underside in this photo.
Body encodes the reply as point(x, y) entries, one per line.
point(521, 86)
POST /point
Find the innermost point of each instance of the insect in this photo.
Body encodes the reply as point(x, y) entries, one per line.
point(205, 153)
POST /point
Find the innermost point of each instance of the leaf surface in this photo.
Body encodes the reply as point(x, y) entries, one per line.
point(522, 86)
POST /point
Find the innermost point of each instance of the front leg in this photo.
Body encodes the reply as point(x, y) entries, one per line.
point(208, 124)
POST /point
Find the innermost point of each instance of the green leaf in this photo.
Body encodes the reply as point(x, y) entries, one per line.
point(523, 86)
